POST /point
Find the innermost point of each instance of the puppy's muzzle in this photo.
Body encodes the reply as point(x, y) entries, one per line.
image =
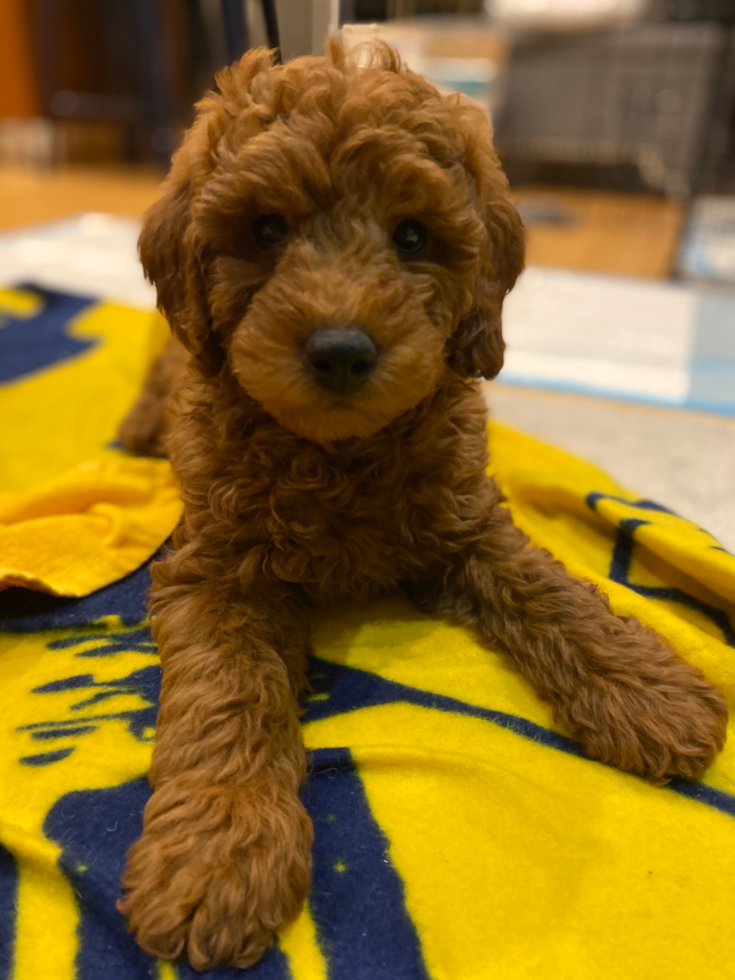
point(340, 359)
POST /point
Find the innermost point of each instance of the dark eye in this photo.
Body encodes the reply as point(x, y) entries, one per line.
point(270, 231)
point(410, 238)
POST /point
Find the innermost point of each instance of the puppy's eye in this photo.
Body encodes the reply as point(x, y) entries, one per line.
point(270, 231)
point(410, 238)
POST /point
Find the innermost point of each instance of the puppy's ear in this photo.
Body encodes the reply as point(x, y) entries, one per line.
point(476, 347)
point(170, 258)
point(171, 253)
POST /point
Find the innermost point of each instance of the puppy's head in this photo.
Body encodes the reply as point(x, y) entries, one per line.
point(339, 235)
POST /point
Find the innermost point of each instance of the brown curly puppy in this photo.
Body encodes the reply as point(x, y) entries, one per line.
point(333, 247)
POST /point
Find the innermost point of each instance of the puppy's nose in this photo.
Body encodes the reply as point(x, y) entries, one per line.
point(340, 359)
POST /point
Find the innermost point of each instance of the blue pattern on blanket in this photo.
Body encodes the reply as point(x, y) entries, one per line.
point(356, 895)
point(29, 344)
point(8, 903)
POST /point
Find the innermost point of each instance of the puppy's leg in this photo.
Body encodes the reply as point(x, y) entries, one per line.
point(225, 853)
point(613, 684)
point(143, 430)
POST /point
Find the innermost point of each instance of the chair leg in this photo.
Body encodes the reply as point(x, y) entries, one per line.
point(236, 29)
point(153, 65)
point(271, 26)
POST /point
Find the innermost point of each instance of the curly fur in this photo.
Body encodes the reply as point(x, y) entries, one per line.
point(293, 497)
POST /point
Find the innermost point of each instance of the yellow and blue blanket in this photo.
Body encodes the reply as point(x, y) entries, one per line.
point(459, 834)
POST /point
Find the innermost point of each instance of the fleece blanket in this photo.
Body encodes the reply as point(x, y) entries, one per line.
point(459, 834)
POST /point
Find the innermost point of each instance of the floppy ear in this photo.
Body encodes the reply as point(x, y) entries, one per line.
point(476, 347)
point(171, 261)
point(170, 250)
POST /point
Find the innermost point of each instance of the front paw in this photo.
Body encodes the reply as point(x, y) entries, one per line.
point(215, 874)
point(671, 723)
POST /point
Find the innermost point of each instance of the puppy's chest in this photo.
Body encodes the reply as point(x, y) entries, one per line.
point(341, 527)
point(335, 503)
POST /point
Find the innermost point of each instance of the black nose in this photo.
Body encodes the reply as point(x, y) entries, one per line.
point(340, 359)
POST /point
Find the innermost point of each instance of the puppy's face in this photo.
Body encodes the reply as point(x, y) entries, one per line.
point(340, 235)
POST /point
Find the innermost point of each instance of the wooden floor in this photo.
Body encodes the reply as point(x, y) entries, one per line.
point(628, 234)
point(635, 234)
point(33, 195)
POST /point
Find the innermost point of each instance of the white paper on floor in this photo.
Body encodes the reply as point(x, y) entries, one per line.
point(92, 254)
point(619, 336)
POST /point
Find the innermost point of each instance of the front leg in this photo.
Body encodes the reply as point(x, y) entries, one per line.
point(614, 684)
point(225, 853)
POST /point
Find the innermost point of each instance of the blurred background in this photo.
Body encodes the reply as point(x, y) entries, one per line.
point(614, 120)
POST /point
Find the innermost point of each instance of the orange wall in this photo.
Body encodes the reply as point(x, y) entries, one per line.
point(18, 95)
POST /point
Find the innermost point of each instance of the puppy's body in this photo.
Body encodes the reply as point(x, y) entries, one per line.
point(317, 201)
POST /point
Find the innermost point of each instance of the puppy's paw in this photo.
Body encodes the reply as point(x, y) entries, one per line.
point(213, 876)
point(662, 726)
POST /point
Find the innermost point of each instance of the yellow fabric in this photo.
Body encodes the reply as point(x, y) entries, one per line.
point(458, 835)
point(76, 514)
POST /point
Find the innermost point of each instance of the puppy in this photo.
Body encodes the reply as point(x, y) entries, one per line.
point(333, 246)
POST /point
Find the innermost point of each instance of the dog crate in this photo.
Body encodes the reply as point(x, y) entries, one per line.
point(636, 101)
